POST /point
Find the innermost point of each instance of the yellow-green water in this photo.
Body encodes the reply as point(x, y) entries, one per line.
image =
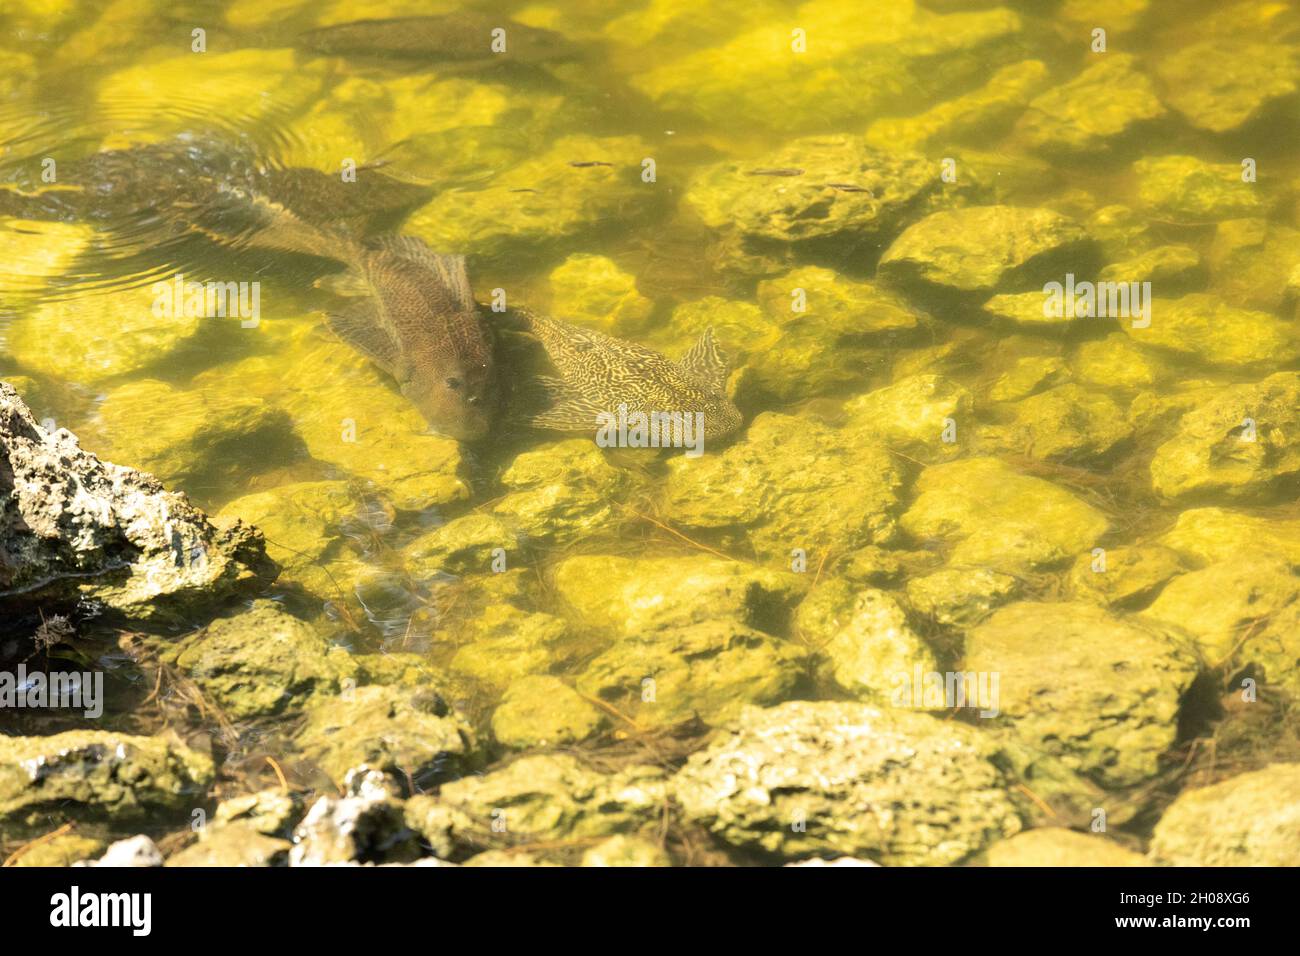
point(588, 188)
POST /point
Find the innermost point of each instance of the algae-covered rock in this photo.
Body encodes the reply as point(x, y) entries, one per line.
point(966, 117)
point(1167, 266)
point(410, 732)
point(817, 778)
point(1117, 711)
point(1105, 101)
point(793, 483)
point(234, 845)
point(1207, 535)
point(1252, 819)
point(830, 330)
point(73, 527)
point(633, 596)
point(1243, 442)
point(507, 643)
point(848, 68)
point(1242, 611)
point(97, 775)
point(1027, 375)
point(626, 851)
point(812, 188)
point(92, 338)
point(991, 515)
point(593, 291)
point(1056, 846)
point(913, 415)
point(247, 87)
point(1118, 362)
point(1215, 333)
point(465, 545)
point(1223, 83)
point(579, 185)
point(351, 417)
point(979, 248)
point(1068, 423)
point(35, 253)
point(1124, 577)
point(262, 662)
point(864, 636)
point(960, 597)
point(271, 812)
point(1031, 310)
point(63, 850)
point(1188, 189)
point(556, 797)
point(708, 670)
point(543, 711)
point(1251, 262)
point(302, 525)
point(561, 492)
point(184, 436)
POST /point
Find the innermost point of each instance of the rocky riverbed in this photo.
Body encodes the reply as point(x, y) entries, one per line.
point(977, 583)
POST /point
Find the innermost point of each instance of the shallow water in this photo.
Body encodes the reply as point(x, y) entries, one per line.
point(596, 188)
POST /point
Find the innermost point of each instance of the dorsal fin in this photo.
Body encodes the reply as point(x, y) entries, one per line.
point(449, 269)
point(705, 362)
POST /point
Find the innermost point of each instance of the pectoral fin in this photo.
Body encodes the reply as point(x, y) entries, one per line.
point(575, 413)
point(358, 325)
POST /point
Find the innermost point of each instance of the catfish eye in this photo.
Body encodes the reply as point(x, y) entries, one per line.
point(453, 383)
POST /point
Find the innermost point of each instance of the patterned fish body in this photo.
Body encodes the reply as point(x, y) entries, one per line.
point(415, 317)
point(457, 37)
point(600, 373)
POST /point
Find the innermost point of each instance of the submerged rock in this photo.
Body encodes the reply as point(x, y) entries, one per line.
point(1188, 189)
point(829, 778)
point(1217, 334)
point(968, 117)
point(1251, 262)
point(960, 597)
point(68, 338)
point(626, 851)
point(262, 662)
point(1056, 846)
point(1252, 819)
point(554, 797)
point(577, 186)
point(812, 188)
point(1124, 577)
point(1117, 711)
point(593, 291)
point(234, 845)
point(979, 248)
point(543, 711)
point(913, 414)
point(1118, 362)
point(97, 775)
point(1244, 611)
point(1207, 535)
point(507, 643)
point(1067, 423)
point(1105, 101)
point(72, 526)
point(1243, 442)
point(633, 596)
point(708, 670)
point(186, 437)
point(561, 492)
point(864, 637)
point(792, 484)
point(412, 733)
point(1223, 83)
point(1028, 375)
point(831, 329)
point(993, 516)
point(465, 545)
